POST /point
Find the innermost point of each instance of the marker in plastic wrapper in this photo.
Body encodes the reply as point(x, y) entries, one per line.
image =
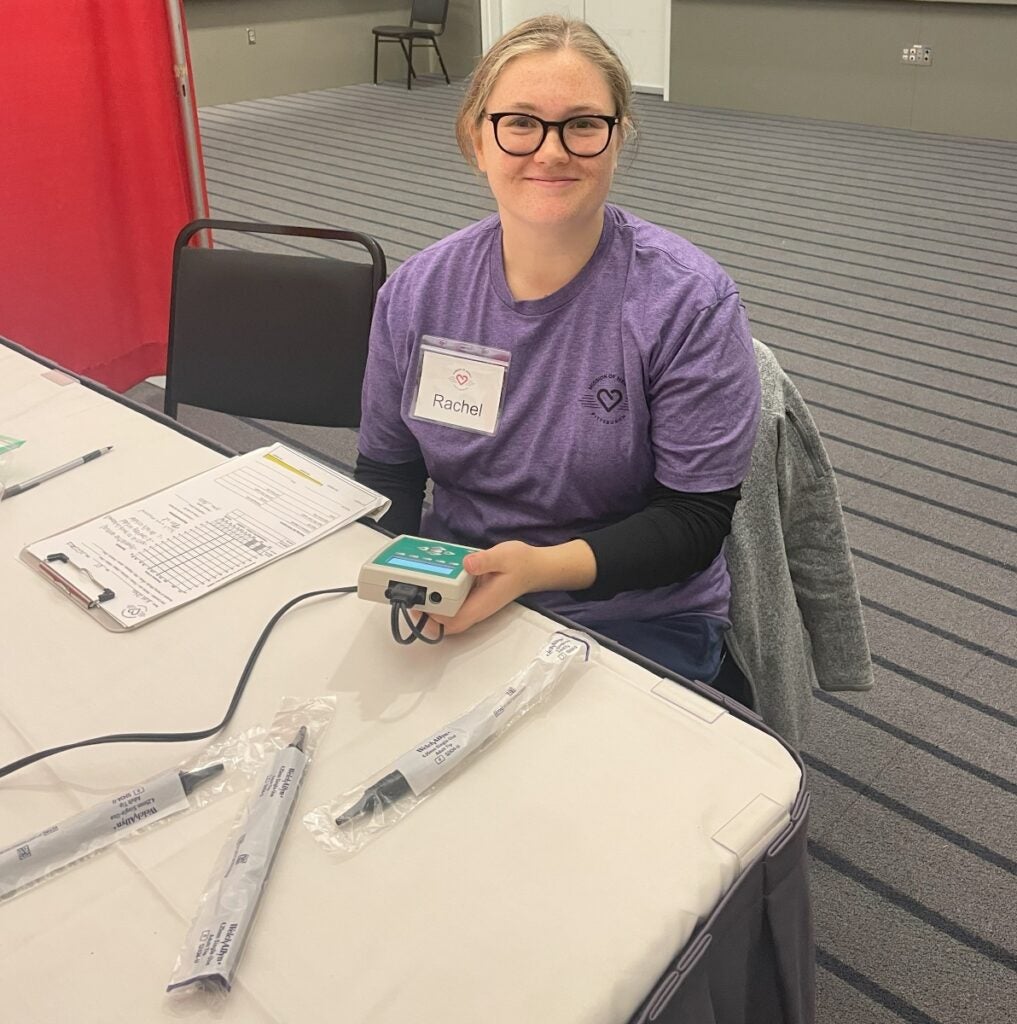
point(191, 780)
point(420, 768)
point(385, 791)
point(216, 940)
point(59, 845)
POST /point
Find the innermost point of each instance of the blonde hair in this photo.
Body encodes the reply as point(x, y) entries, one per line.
point(545, 33)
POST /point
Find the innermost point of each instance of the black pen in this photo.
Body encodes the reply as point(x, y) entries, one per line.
point(26, 485)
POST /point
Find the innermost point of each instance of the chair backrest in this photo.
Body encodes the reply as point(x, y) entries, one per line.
point(271, 336)
point(429, 12)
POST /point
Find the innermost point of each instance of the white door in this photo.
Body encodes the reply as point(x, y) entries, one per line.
point(640, 31)
point(515, 11)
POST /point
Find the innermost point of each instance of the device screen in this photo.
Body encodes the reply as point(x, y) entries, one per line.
point(408, 563)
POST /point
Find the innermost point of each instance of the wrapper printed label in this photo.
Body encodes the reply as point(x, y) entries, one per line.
point(91, 830)
point(216, 940)
point(423, 766)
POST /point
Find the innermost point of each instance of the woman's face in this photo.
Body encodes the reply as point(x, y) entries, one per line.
point(550, 187)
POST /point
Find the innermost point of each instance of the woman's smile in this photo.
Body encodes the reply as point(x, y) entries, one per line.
point(551, 183)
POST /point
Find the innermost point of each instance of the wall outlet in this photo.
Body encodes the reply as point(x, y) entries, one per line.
point(916, 54)
point(251, 37)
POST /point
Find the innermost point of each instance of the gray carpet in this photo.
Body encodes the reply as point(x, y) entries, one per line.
point(880, 266)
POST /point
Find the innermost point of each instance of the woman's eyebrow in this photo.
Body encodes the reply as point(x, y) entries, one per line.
point(582, 108)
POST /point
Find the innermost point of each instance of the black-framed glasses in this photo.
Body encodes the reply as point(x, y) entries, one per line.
point(521, 134)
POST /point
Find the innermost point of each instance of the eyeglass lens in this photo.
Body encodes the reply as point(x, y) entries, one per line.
point(520, 135)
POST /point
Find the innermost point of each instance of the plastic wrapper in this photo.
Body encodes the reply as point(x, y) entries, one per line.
point(8, 446)
point(193, 783)
point(207, 963)
point(355, 817)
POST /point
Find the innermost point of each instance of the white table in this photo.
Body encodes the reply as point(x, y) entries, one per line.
point(555, 880)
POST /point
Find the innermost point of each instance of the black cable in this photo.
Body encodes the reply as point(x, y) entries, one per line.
point(400, 609)
point(417, 628)
point(180, 737)
point(403, 596)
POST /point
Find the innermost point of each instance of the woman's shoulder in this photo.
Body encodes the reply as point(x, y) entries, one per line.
point(446, 256)
point(658, 252)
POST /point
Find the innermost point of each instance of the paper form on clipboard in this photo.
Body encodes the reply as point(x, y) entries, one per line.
point(138, 562)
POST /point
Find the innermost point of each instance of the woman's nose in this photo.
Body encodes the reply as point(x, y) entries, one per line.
point(552, 150)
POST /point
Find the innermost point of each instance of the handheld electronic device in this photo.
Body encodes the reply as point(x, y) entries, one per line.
point(414, 572)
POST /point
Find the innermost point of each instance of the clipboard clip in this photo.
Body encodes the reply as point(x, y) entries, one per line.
point(105, 594)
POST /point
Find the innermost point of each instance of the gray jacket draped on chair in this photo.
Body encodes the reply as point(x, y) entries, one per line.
point(795, 611)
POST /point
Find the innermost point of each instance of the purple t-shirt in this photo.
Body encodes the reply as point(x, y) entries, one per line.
point(639, 368)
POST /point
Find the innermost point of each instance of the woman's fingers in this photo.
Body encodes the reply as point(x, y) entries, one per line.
point(502, 573)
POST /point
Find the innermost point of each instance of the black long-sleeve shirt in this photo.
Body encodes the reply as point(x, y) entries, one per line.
point(676, 535)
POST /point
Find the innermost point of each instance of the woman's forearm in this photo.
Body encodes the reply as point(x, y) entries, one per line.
point(568, 566)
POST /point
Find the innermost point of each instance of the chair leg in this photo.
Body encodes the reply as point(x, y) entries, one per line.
point(410, 73)
point(376, 40)
point(448, 81)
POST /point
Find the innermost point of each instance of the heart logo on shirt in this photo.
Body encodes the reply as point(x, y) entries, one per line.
point(605, 398)
point(609, 398)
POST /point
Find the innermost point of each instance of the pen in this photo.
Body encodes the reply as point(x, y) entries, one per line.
point(26, 485)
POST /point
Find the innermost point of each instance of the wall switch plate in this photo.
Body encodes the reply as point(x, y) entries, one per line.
point(251, 37)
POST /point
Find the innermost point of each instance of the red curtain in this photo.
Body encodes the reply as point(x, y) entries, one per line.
point(93, 183)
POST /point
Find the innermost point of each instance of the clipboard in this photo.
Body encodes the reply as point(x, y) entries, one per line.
point(139, 561)
point(78, 584)
point(62, 579)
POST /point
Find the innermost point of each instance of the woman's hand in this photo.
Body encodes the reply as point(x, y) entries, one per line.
point(511, 569)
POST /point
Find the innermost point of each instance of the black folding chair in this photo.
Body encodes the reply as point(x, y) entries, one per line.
point(422, 13)
point(271, 336)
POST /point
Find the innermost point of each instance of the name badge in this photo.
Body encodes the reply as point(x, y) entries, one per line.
point(460, 384)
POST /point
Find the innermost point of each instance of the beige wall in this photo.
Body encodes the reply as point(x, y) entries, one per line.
point(306, 44)
point(462, 50)
point(840, 60)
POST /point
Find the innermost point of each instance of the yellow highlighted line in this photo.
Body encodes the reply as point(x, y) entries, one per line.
point(292, 469)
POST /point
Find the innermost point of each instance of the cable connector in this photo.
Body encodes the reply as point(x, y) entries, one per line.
point(403, 597)
point(407, 594)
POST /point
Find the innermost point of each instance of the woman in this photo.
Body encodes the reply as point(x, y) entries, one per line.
point(578, 384)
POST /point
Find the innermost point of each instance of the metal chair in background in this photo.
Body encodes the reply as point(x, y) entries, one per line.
point(268, 335)
point(422, 13)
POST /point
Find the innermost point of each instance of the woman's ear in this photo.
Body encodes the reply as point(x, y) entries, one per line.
point(477, 138)
point(625, 146)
